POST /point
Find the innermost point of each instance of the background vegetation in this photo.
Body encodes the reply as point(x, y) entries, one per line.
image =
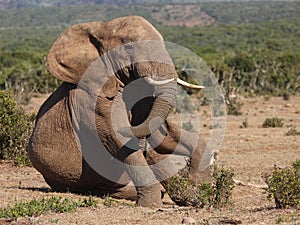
point(252, 47)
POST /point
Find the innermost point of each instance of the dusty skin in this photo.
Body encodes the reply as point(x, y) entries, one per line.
point(249, 151)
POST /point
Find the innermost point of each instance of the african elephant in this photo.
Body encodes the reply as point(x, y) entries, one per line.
point(97, 117)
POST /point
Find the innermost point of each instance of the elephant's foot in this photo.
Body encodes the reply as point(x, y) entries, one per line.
point(149, 196)
point(127, 192)
point(147, 187)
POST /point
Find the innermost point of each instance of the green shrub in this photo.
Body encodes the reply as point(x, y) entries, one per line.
point(188, 126)
point(44, 205)
point(24, 73)
point(273, 122)
point(216, 194)
point(15, 129)
point(234, 106)
point(286, 96)
point(284, 185)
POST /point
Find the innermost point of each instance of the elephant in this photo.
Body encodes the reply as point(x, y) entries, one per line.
point(113, 110)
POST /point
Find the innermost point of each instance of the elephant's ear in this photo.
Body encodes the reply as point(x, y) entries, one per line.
point(74, 50)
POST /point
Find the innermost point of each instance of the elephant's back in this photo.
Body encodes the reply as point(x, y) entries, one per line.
point(53, 149)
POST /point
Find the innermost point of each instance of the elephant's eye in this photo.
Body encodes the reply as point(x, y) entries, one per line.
point(129, 47)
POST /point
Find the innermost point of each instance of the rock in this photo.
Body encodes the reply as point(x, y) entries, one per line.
point(188, 220)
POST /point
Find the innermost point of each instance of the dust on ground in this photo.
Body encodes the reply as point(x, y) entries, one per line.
point(250, 151)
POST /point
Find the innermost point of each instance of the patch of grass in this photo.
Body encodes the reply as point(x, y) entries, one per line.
point(283, 219)
point(292, 132)
point(111, 202)
point(284, 185)
point(273, 122)
point(188, 126)
point(216, 194)
point(44, 205)
point(15, 128)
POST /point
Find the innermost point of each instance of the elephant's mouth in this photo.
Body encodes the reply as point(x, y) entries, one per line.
point(164, 101)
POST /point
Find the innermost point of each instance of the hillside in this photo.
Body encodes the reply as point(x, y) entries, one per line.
point(193, 14)
point(8, 4)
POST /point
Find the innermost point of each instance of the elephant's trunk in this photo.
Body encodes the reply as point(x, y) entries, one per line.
point(165, 98)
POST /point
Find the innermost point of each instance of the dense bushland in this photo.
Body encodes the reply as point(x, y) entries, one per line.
point(252, 54)
point(23, 73)
point(254, 58)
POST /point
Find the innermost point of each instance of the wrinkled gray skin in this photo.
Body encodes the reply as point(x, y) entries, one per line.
point(53, 147)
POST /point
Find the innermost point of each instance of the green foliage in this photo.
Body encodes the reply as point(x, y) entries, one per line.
point(188, 126)
point(15, 129)
point(273, 122)
point(216, 194)
point(287, 219)
point(243, 59)
point(253, 47)
point(292, 132)
point(286, 96)
point(234, 12)
point(24, 73)
point(111, 202)
point(234, 106)
point(284, 185)
point(37, 207)
point(223, 186)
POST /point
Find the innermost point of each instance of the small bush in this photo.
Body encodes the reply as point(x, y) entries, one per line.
point(244, 123)
point(15, 129)
point(286, 96)
point(39, 206)
point(234, 107)
point(284, 185)
point(216, 194)
point(188, 126)
point(273, 122)
point(292, 132)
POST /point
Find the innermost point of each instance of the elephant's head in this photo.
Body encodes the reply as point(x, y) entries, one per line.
point(140, 54)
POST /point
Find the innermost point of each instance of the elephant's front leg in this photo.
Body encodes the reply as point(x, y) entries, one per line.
point(147, 187)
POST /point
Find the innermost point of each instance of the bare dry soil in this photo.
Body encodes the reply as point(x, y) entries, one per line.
point(250, 151)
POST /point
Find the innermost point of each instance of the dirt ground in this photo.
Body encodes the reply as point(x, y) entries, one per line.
point(249, 151)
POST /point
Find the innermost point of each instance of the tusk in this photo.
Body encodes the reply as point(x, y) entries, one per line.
point(156, 82)
point(186, 84)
